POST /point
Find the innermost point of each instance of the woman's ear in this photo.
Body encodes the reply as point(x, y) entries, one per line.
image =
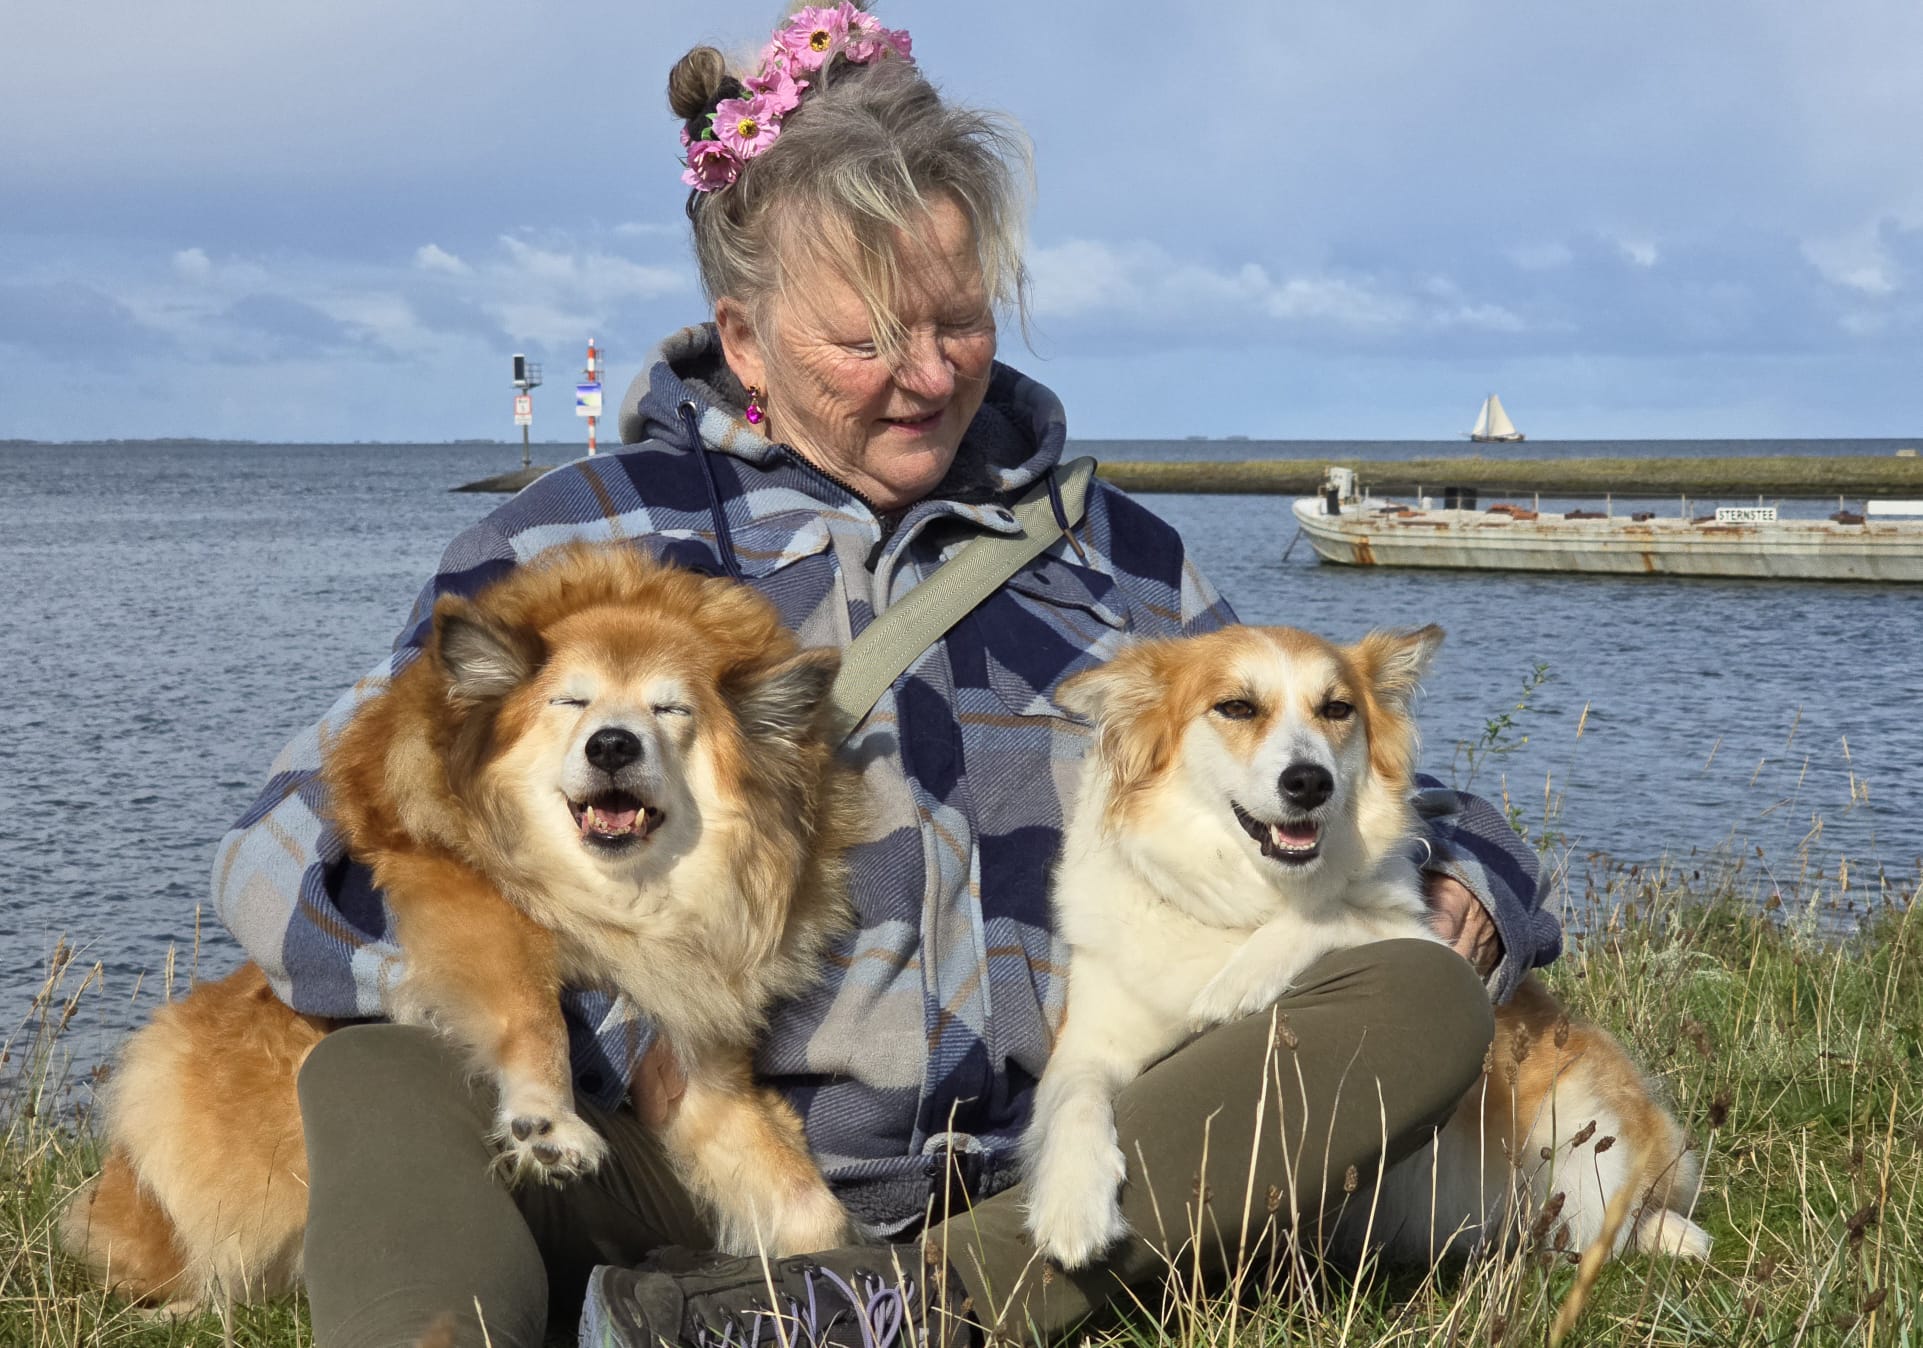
point(740, 347)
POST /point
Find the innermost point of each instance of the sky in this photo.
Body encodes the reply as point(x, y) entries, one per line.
point(338, 221)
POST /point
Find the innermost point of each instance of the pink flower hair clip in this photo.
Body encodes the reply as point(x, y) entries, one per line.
point(747, 118)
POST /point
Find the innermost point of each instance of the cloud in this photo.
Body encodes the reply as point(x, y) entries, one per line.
point(432, 257)
point(1641, 252)
point(587, 272)
point(1863, 258)
point(280, 326)
point(73, 322)
point(1141, 282)
point(193, 264)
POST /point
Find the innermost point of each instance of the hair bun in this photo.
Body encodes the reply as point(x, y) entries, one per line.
point(695, 82)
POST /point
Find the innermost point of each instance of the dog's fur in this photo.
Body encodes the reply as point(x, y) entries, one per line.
point(705, 886)
point(1244, 811)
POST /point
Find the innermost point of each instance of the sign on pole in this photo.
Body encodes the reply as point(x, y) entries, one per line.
point(523, 410)
point(587, 400)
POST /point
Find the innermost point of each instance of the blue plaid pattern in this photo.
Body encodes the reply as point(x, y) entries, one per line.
point(920, 1049)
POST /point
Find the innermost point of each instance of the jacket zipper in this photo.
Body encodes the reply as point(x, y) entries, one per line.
point(794, 456)
point(887, 519)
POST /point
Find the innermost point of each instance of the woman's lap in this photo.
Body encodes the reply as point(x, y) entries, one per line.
point(407, 1224)
point(1409, 1016)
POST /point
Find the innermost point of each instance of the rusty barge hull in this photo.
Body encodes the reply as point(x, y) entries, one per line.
point(1876, 550)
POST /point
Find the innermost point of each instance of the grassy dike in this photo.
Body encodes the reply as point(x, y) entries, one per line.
point(1793, 1059)
point(1783, 476)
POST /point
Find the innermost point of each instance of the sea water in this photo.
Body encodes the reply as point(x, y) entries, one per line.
point(171, 615)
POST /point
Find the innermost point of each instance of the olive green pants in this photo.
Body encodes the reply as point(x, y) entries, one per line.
point(1224, 1138)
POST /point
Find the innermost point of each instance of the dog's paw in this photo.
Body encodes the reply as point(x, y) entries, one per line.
point(1074, 1209)
point(1231, 995)
point(552, 1146)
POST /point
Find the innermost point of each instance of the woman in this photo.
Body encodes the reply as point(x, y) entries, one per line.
point(837, 432)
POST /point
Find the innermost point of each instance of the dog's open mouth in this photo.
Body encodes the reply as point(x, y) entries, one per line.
point(1293, 843)
point(614, 819)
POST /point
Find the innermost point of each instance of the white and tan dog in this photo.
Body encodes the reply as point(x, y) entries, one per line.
point(1243, 812)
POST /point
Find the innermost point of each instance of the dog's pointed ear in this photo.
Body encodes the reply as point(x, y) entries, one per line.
point(1109, 688)
point(1394, 662)
point(1083, 694)
point(1124, 699)
point(782, 703)
point(483, 660)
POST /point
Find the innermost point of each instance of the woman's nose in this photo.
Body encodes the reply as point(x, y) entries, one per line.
point(923, 368)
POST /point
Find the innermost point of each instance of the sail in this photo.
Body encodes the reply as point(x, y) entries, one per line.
point(1481, 428)
point(1495, 422)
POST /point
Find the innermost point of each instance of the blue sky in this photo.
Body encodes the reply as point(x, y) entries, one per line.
point(1637, 219)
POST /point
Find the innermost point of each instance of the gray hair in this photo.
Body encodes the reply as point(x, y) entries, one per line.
point(871, 148)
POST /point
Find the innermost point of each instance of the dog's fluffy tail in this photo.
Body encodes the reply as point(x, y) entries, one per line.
point(1604, 1131)
point(124, 1236)
point(204, 1190)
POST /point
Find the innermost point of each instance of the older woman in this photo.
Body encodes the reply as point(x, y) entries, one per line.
point(832, 438)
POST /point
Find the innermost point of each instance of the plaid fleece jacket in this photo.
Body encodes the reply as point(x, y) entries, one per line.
point(927, 1035)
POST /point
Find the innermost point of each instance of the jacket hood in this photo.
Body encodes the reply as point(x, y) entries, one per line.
point(1016, 437)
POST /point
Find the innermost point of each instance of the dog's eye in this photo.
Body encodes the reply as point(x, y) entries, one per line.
point(1235, 709)
point(1336, 710)
point(672, 709)
point(567, 702)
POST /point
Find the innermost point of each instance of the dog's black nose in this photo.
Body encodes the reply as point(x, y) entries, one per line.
point(613, 748)
point(1306, 785)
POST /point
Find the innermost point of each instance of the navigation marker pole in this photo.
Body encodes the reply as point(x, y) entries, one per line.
point(527, 378)
point(587, 394)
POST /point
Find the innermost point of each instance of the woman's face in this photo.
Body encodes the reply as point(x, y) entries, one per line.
point(887, 428)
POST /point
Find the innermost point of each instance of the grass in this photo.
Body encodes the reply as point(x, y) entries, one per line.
point(1776, 476)
point(1793, 1057)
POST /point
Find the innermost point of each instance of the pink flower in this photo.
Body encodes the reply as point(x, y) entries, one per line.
point(747, 126)
point(867, 39)
point(903, 44)
point(813, 36)
point(777, 90)
point(686, 139)
point(711, 166)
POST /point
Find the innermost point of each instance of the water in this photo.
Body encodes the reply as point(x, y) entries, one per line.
point(172, 615)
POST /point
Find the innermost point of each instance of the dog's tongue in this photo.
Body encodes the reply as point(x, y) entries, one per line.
point(1295, 835)
point(610, 822)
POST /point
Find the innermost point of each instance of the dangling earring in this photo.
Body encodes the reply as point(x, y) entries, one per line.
point(754, 413)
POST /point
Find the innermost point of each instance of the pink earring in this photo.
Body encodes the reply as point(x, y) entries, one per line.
point(754, 413)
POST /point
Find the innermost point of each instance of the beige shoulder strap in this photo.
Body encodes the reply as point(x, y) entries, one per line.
point(895, 640)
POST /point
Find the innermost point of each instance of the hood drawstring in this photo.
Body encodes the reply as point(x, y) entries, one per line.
point(723, 540)
point(1061, 517)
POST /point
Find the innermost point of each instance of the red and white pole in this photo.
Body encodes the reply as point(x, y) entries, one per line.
point(594, 377)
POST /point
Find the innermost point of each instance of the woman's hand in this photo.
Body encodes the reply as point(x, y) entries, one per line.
point(658, 1085)
point(1460, 919)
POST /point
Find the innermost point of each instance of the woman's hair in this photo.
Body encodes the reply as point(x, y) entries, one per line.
point(870, 148)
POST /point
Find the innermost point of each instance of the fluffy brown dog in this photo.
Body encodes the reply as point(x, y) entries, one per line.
point(601, 771)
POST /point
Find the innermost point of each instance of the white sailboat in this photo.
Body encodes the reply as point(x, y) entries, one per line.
point(1493, 423)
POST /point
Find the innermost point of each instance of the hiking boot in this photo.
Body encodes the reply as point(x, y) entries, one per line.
point(870, 1298)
